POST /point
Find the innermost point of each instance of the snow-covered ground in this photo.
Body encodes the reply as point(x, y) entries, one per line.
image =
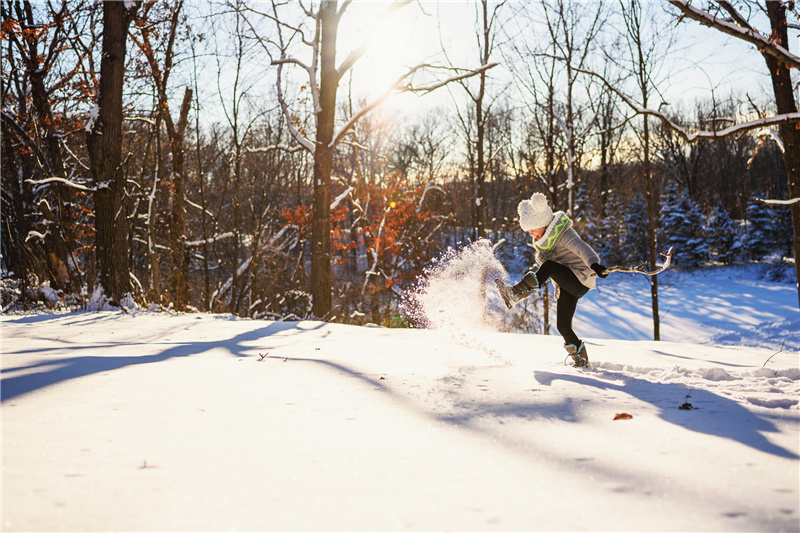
point(153, 421)
point(731, 305)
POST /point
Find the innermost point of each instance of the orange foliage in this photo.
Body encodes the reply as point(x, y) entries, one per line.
point(385, 222)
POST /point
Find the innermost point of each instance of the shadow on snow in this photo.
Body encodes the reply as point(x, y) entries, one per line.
point(52, 372)
point(712, 414)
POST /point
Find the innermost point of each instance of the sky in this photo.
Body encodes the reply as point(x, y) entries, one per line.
point(701, 62)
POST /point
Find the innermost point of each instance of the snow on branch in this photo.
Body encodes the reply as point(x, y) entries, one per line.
point(34, 235)
point(699, 135)
point(273, 147)
point(94, 114)
point(341, 197)
point(763, 137)
point(425, 193)
point(764, 44)
point(210, 240)
point(305, 143)
point(72, 184)
point(791, 201)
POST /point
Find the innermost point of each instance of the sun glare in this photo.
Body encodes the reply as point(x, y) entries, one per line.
point(396, 44)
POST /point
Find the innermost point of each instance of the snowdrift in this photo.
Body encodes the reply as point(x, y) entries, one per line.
point(149, 421)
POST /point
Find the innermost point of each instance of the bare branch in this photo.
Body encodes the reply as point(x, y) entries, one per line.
point(694, 137)
point(362, 49)
point(764, 44)
point(737, 18)
point(789, 202)
point(273, 147)
point(305, 143)
point(431, 88)
point(398, 87)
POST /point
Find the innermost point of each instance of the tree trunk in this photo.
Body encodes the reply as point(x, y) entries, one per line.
point(104, 143)
point(790, 135)
point(323, 160)
point(480, 219)
point(652, 208)
point(180, 258)
point(58, 214)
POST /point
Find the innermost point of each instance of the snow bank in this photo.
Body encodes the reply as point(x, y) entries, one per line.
point(153, 421)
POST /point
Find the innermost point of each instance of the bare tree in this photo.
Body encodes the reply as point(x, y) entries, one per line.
point(175, 131)
point(104, 142)
point(38, 67)
point(780, 62)
point(573, 39)
point(642, 46)
point(323, 73)
point(486, 26)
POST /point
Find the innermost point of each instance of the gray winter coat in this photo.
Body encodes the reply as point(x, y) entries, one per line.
point(562, 244)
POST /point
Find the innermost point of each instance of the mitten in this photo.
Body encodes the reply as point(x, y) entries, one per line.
point(600, 270)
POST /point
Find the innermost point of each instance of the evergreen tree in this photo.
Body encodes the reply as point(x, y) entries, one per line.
point(723, 240)
point(760, 239)
point(609, 237)
point(682, 226)
point(782, 222)
point(634, 246)
point(585, 217)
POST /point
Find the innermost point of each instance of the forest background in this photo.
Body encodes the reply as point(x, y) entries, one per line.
point(291, 160)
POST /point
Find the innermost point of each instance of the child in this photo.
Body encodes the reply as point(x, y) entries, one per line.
point(564, 258)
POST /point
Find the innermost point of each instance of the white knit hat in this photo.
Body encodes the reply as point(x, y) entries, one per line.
point(534, 213)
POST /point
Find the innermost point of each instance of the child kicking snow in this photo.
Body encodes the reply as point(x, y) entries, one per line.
point(563, 257)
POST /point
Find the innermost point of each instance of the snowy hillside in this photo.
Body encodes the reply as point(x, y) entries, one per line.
point(732, 305)
point(159, 422)
point(151, 421)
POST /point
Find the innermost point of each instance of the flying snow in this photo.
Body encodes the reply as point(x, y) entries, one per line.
point(451, 293)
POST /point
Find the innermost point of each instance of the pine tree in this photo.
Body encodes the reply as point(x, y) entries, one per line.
point(609, 239)
point(585, 217)
point(723, 239)
point(683, 227)
point(782, 223)
point(634, 246)
point(760, 239)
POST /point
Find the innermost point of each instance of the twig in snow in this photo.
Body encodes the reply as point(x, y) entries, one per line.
point(773, 355)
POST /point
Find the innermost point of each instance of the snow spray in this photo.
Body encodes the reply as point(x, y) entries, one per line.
point(451, 294)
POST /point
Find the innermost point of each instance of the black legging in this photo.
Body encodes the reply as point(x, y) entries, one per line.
point(571, 291)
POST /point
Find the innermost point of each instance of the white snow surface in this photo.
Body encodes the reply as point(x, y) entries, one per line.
point(155, 421)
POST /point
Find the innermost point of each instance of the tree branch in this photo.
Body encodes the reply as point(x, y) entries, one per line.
point(362, 49)
point(273, 147)
point(694, 137)
point(398, 87)
point(764, 44)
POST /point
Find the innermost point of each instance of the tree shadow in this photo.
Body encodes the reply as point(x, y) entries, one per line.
point(33, 377)
point(711, 414)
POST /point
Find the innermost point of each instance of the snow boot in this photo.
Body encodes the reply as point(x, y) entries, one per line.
point(511, 295)
point(578, 354)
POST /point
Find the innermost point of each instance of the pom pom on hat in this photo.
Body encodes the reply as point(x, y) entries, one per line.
point(534, 213)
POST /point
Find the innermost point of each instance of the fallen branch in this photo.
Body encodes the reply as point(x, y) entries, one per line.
point(640, 269)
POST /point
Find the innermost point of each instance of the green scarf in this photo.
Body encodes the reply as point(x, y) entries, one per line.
point(555, 230)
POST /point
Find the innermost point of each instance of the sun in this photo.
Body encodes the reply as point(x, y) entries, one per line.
point(397, 43)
